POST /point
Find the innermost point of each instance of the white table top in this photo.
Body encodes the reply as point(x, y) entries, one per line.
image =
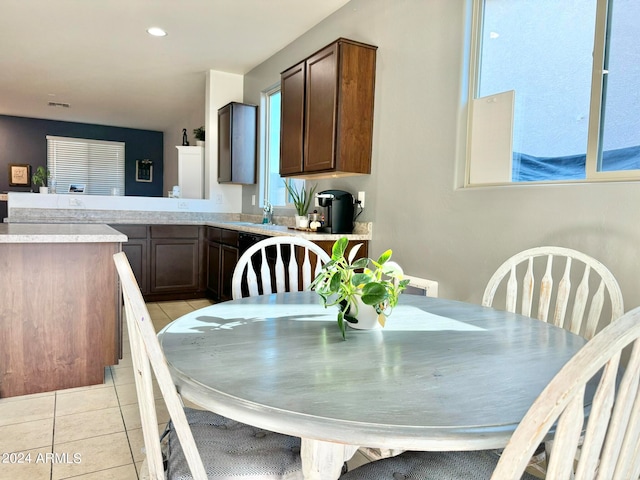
point(442, 375)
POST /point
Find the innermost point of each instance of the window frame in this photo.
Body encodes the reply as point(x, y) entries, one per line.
point(264, 188)
point(598, 72)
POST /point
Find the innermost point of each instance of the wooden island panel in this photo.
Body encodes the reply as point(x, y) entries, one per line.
point(59, 315)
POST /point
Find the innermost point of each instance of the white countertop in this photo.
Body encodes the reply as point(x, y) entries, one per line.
point(59, 233)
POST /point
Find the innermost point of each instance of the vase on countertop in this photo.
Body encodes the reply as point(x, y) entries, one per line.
point(302, 221)
point(44, 189)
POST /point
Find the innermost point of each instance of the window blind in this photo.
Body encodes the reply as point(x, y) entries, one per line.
point(97, 164)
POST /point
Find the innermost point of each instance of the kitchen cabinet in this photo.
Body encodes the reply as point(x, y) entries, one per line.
point(137, 251)
point(237, 143)
point(327, 112)
point(175, 258)
point(222, 255)
point(166, 260)
point(60, 323)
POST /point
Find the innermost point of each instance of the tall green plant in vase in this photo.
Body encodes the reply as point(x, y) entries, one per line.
point(301, 201)
point(358, 284)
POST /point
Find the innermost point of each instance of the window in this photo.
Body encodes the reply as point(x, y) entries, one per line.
point(272, 188)
point(556, 91)
point(97, 164)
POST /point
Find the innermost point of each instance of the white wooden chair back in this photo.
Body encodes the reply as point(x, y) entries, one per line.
point(286, 270)
point(594, 284)
point(421, 286)
point(146, 353)
point(611, 446)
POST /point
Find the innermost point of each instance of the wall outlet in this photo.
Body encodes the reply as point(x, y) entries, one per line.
point(183, 205)
point(253, 200)
point(361, 199)
point(219, 199)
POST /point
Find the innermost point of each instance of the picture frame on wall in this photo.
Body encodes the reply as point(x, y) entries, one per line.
point(19, 175)
point(144, 170)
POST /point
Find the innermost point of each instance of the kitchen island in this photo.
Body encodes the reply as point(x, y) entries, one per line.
point(59, 306)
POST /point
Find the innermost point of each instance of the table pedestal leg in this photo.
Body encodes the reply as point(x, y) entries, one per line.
point(324, 460)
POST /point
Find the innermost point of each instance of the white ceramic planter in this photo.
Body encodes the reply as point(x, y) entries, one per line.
point(44, 189)
point(366, 315)
point(302, 221)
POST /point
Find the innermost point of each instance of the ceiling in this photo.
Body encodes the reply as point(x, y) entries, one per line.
point(97, 57)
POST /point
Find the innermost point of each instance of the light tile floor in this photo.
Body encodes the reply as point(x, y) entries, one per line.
point(88, 433)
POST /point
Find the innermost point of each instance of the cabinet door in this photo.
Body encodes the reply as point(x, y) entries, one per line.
point(228, 259)
point(292, 85)
point(136, 251)
point(224, 144)
point(213, 269)
point(321, 101)
point(174, 265)
point(237, 143)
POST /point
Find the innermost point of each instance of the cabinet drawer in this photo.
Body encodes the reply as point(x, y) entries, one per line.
point(229, 237)
point(174, 231)
point(132, 231)
point(214, 234)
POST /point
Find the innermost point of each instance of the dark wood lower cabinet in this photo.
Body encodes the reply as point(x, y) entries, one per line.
point(174, 262)
point(59, 320)
point(167, 260)
point(175, 265)
point(222, 256)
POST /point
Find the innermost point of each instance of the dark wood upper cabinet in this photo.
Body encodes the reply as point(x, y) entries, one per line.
point(237, 144)
point(327, 111)
point(292, 84)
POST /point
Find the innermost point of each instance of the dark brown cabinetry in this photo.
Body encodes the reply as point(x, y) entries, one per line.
point(137, 250)
point(175, 258)
point(327, 111)
point(237, 145)
point(222, 256)
point(167, 260)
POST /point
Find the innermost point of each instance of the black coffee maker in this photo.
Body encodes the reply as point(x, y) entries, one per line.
point(339, 211)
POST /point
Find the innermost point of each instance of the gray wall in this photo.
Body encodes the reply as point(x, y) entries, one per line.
point(436, 229)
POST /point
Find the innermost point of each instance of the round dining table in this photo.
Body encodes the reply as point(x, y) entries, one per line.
point(441, 375)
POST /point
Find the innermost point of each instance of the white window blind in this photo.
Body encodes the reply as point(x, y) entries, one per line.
point(97, 164)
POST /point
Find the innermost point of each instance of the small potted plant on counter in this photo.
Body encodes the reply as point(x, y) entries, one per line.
point(366, 290)
point(39, 179)
point(199, 134)
point(302, 201)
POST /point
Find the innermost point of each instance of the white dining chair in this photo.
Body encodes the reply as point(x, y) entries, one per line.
point(611, 435)
point(275, 264)
point(585, 289)
point(421, 286)
point(201, 445)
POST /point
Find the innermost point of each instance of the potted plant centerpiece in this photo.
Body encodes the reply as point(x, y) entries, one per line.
point(40, 179)
point(302, 202)
point(366, 290)
point(199, 134)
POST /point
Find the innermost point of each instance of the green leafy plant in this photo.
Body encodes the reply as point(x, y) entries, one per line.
point(301, 198)
point(39, 178)
point(199, 133)
point(377, 282)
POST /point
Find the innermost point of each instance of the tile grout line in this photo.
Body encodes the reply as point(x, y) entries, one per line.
point(126, 432)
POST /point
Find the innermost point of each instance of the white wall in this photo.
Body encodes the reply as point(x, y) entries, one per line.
point(437, 230)
point(222, 88)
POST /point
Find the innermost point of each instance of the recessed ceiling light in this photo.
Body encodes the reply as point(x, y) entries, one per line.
point(156, 32)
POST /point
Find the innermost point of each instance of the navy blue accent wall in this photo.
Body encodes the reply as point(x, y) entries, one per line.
point(23, 140)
